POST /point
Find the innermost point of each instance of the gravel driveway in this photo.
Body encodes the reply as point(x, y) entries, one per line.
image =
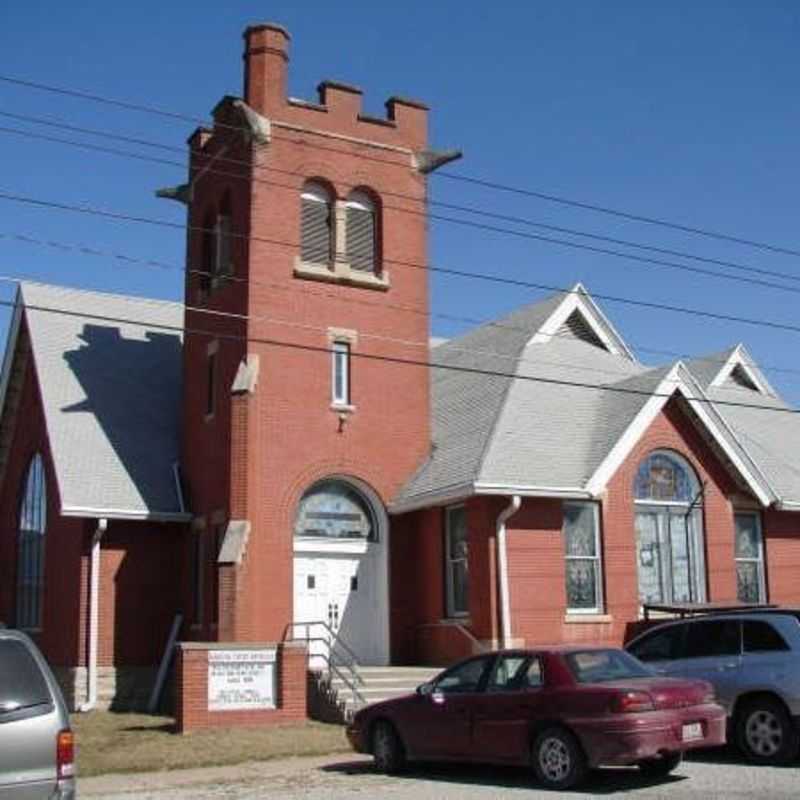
point(718, 775)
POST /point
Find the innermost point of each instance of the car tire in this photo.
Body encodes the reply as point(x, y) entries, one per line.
point(661, 767)
point(557, 759)
point(764, 732)
point(387, 749)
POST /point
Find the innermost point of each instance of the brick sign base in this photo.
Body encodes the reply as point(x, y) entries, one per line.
point(289, 695)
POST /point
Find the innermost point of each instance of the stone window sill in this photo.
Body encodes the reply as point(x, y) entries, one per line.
point(340, 272)
point(587, 619)
point(343, 408)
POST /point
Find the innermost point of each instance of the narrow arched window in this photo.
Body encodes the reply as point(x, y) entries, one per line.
point(362, 232)
point(30, 547)
point(316, 224)
point(224, 235)
point(208, 250)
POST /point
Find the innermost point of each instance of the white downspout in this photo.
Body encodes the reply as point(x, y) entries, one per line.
point(94, 613)
point(502, 568)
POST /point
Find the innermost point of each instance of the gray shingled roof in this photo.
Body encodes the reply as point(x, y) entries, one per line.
point(112, 394)
point(544, 434)
point(498, 429)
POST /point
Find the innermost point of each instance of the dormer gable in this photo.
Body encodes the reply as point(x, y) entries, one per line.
point(579, 318)
point(741, 372)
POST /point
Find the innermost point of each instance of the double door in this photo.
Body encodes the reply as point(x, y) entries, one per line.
point(341, 590)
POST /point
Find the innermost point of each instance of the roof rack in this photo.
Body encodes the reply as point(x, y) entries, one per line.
point(682, 610)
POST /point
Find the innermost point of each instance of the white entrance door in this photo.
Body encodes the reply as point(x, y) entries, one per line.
point(346, 591)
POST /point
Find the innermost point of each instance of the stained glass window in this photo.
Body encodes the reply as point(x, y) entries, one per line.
point(31, 550)
point(582, 554)
point(457, 561)
point(334, 510)
point(664, 478)
point(750, 584)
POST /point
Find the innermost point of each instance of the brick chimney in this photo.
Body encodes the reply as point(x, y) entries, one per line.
point(266, 59)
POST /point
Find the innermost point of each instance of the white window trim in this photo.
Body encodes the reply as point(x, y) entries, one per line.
point(759, 561)
point(598, 559)
point(341, 347)
point(450, 611)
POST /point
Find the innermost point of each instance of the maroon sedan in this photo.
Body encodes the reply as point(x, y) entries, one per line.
point(560, 710)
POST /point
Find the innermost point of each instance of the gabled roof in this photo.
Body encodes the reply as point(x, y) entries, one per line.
point(574, 404)
point(111, 393)
point(506, 429)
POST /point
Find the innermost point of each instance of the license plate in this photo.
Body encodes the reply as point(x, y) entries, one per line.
point(693, 730)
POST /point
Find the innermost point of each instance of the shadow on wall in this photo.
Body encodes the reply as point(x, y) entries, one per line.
point(133, 388)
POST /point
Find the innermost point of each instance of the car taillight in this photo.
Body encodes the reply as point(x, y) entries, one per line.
point(65, 755)
point(630, 702)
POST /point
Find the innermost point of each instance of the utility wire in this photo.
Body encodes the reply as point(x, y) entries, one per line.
point(516, 282)
point(468, 223)
point(128, 259)
point(358, 354)
point(61, 125)
point(473, 180)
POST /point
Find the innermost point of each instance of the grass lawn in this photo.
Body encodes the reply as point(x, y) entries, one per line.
point(109, 742)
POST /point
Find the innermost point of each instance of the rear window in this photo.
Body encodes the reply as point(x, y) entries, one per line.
point(761, 637)
point(22, 685)
point(599, 666)
point(662, 645)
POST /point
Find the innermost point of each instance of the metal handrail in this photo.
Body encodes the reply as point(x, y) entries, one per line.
point(477, 645)
point(332, 641)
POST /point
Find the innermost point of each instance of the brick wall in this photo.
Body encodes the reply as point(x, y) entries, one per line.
point(782, 556)
point(65, 570)
point(292, 435)
point(192, 690)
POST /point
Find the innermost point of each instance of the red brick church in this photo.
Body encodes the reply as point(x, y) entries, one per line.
point(288, 445)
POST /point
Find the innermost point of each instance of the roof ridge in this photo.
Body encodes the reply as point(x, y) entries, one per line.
point(65, 289)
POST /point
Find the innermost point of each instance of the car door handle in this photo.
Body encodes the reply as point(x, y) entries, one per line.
point(725, 667)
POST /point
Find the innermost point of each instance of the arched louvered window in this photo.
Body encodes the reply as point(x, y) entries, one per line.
point(362, 232)
point(316, 224)
point(30, 547)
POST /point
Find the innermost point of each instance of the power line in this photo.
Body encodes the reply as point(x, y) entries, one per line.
point(516, 282)
point(437, 203)
point(624, 390)
point(472, 224)
point(137, 261)
point(473, 180)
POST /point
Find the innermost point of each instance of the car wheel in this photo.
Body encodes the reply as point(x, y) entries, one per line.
point(558, 760)
point(661, 767)
point(764, 732)
point(387, 749)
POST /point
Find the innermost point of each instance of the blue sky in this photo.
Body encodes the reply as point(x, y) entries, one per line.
point(682, 110)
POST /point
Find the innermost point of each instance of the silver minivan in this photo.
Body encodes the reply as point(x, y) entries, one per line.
point(37, 750)
point(753, 661)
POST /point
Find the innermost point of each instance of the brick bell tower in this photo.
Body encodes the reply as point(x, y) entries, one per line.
point(306, 291)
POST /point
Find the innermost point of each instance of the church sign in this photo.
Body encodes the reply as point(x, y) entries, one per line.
point(241, 680)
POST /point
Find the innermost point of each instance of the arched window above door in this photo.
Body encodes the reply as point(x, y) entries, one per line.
point(334, 509)
point(665, 477)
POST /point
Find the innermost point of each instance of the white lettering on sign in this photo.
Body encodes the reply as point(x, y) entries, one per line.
point(240, 680)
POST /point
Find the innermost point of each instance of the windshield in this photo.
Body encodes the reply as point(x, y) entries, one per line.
point(598, 666)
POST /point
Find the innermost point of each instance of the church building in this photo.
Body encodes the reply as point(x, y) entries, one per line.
point(287, 446)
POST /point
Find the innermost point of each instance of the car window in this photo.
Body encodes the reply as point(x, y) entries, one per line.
point(506, 673)
point(709, 638)
point(761, 637)
point(533, 676)
point(465, 677)
point(22, 685)
point(663, 645)
point(599, 666)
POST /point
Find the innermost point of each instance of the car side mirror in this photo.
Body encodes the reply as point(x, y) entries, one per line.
point(424, 689)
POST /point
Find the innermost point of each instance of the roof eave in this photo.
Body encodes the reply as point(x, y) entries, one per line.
point(126, 513)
